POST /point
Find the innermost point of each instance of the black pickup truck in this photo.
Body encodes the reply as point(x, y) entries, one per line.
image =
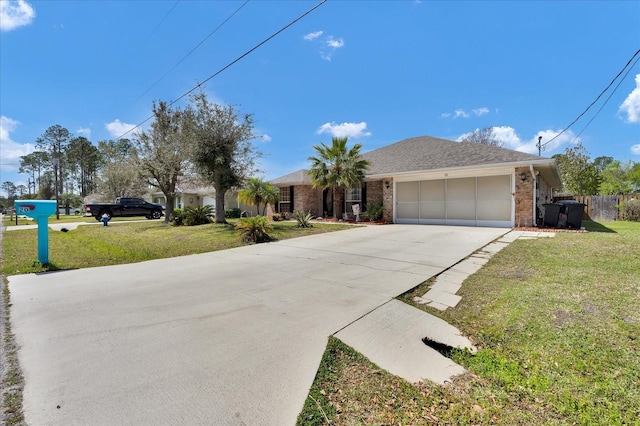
point(124, 207)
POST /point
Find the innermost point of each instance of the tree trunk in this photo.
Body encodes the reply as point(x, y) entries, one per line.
point(220, 191)
point(338, 202)
point(168, 212)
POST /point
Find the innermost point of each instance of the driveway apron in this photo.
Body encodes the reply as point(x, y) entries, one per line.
point(229, 337)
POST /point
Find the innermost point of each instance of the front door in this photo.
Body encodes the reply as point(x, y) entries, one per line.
point(327, 202)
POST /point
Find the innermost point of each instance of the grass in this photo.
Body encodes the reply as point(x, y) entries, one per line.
point(557, 326)
point(90, 246)
point(11, 383)
point(9, 221)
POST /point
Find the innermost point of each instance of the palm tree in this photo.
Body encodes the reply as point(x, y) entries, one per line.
point(252, 194)
point(257, 192)
point(270, 195)
point(336, 167)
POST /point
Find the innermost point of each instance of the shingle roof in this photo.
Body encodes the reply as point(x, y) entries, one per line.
point(429, 153)
point(426, 153)
point(301, 177)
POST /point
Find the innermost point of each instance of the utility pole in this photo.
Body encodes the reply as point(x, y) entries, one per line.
point(56, 167)
point(539, 145)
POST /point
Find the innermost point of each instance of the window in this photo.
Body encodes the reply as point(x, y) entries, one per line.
point(285, 199)
point(352, 196)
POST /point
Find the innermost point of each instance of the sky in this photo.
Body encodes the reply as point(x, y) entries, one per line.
point(375, 71)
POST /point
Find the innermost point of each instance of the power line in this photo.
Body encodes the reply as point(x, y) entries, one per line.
point(162, 20)
point(596, 100)
point(191, 51)
point(606, 100)
point(239, 58)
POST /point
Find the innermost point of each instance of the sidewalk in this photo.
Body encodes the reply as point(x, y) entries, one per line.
point(392, 335)
point(442, 293)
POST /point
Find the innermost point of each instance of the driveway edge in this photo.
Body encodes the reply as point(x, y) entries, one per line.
point(11, 379)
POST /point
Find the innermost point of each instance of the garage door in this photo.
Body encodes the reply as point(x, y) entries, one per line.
point(475, 201)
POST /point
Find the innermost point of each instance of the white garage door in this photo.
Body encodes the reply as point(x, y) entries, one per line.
point(475, 201)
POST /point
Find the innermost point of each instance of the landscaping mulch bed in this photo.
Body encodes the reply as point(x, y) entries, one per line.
point(536, 229)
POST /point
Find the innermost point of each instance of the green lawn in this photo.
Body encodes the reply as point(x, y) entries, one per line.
point(557, 325)
point(9, 221)
point(96, 245)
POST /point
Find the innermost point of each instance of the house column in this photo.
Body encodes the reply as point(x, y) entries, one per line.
point(387, 199)
point(524, 197)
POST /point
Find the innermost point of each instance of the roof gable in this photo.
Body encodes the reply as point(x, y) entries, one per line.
point(300, 177)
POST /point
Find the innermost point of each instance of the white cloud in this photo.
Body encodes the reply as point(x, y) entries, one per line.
point(14, 14)
point(481, 111)
point(512, 140)
point(635, 149)
point(352, 130)
point(460, 113)
point(549, 146)
point(508, 135)
point(328, 44)
point(313, 36)
point(631, 105)
point(336, 44)
point(116, 128)
point(84, 132)
point(265, 138)
point(10, 151)
point(7, 125)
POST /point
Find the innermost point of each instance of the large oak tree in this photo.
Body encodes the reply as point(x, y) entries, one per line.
point(579, 175)
point(222, 151)
point(163, 151)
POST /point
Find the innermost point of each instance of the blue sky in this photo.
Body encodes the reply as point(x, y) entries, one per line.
point(376, 71)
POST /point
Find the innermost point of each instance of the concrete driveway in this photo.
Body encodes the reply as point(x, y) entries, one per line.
point(230, 337)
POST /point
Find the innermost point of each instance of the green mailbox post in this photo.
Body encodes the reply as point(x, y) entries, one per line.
point(40, 210)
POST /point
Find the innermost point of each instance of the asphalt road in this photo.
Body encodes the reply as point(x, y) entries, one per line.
point(230, 337)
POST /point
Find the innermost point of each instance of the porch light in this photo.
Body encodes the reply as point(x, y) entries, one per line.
point(387, 184)
point(523, 177)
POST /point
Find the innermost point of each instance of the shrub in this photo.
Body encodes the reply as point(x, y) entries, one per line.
point(303, 219)
point(197, 215)
point(232, 213)
point(254, 229)
point(631, 210)
point(374, 212)
point(177, 217)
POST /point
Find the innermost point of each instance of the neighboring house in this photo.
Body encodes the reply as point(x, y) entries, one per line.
point(427, 180)
point(189, 193)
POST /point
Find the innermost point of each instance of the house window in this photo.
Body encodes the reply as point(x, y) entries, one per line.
point(352, 196)
point(284, 205)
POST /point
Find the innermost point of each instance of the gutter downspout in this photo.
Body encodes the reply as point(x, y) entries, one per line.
point(533, 192)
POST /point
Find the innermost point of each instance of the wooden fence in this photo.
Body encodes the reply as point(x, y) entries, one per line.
point(601, 207)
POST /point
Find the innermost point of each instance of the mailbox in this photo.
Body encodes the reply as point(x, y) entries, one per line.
point(40, 210)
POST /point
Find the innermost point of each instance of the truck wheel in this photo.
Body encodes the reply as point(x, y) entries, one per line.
point(156, 214)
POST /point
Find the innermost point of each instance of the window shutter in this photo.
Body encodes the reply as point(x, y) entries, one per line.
point(291, 209)
point(364, 197)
